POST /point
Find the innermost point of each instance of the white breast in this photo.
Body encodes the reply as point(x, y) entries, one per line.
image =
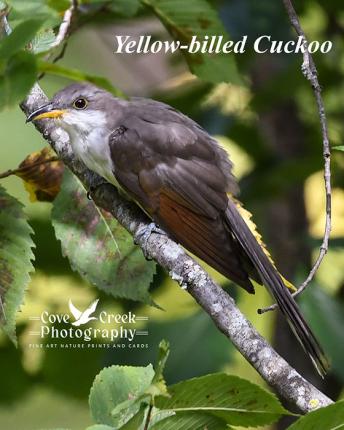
point(89, 137)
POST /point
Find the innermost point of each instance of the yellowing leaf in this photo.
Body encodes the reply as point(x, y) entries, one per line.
point(42, 176)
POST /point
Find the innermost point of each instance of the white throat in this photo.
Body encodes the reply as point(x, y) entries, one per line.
point(89, 137)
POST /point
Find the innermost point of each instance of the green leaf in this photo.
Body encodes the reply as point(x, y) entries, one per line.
point(17, 78)
point(100, 427)
point(164, 352)
point(78, 75)
point(58, 5)
point(326, 316)
point(339, 148)
point(20, 10)
point(184, 19)
point(126, 8)
point(158, 386)
point(328, 418)
point(15, 260)
point(135, 423)
point(42, 41)
point(116, 386)
point(97, 246)
point(128, 408)
point(19, 38)
point(232, 399)
point(192, 421)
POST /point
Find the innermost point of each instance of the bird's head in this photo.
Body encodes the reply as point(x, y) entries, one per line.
point(78, 108)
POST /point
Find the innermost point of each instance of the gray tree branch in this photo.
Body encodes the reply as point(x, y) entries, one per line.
point(190, 275)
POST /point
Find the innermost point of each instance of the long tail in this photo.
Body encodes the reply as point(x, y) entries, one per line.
point(273, 281)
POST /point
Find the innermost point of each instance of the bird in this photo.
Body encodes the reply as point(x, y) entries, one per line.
point(84, 317)
point(182, 178)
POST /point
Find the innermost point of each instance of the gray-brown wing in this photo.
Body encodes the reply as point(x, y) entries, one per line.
point(180, 176)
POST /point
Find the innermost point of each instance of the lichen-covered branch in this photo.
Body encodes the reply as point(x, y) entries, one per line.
point(181, 267)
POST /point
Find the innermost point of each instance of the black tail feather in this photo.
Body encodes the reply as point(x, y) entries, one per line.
point(273, 281)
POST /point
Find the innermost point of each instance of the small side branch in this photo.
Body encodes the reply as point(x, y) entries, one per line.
point(22, 169)
point(63, 33)
point(4, 26)
point(64, 29)
point(311, 74)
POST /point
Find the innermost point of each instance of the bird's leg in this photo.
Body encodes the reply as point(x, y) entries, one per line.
point(143, 234)
point(98, 182)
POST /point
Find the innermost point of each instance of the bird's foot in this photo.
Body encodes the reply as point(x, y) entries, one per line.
point(94, 187)
point(143, 234)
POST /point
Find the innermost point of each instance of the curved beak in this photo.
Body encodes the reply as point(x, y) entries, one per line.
point(46, 111)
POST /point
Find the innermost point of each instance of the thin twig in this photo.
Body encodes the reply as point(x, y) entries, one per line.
point(2, 313)
point(4, 26)
point(23, 168)
point(65, 25)
point(148, 418)
point(63, 33)
point(62, 52)
point(310, 72)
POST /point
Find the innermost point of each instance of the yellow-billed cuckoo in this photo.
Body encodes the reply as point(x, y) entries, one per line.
point(181, 177)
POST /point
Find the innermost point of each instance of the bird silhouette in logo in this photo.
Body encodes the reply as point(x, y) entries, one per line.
point(83, 317)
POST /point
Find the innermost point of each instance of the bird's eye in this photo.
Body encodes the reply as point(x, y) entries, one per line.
point(80, 103)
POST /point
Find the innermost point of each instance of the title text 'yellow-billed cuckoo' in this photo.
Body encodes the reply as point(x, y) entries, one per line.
point(181, 177)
